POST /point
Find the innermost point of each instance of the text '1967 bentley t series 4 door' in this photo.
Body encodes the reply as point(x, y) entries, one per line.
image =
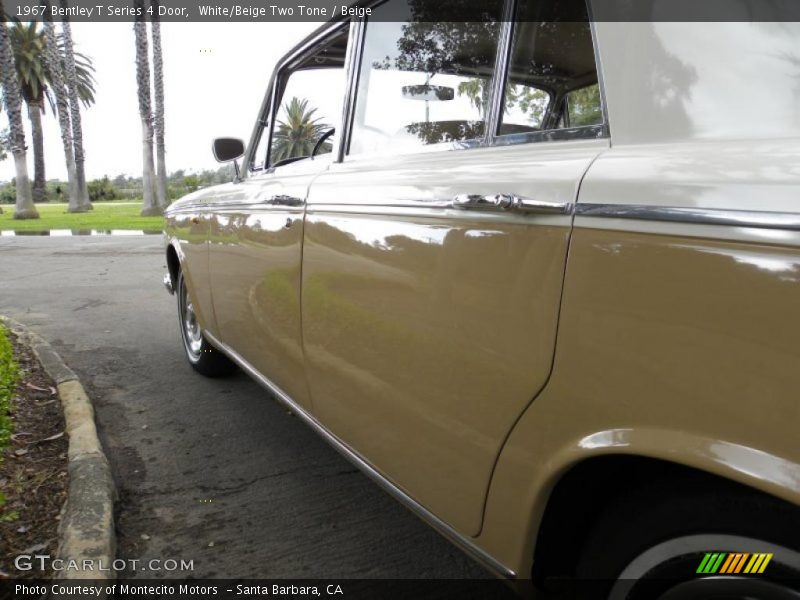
point(537, 275)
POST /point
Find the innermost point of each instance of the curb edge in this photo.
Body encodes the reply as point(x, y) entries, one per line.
point(86, 530)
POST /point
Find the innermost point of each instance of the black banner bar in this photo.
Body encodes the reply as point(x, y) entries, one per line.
point(281, 11)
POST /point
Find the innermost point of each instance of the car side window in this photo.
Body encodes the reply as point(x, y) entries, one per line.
point(308, 106)
point(426, 80)
point(552, 75)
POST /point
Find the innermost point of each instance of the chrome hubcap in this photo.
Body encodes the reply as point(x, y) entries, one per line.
point(192, 334)
point(702, 587)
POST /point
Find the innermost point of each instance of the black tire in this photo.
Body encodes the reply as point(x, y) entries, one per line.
point(204, 358)
point(649, 545)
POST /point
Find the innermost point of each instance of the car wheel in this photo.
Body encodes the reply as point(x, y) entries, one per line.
point(204, 358)
point(652, 546)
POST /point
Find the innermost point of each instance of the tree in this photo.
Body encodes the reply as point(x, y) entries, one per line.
point(54, 64)
point(71, 80)
point(149, 203)
point(298, 133)
point(24, 209)
point(158, 86)
point(39, 66)
point(28, 47)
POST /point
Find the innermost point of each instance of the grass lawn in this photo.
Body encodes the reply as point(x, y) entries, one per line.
point(106, 215)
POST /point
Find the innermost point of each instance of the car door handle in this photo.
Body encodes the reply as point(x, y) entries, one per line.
point(510, 202)
point(284, 200)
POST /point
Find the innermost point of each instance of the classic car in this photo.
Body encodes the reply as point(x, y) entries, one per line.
point(537, 275)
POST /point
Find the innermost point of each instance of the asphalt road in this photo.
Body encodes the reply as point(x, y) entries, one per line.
point(213, 471)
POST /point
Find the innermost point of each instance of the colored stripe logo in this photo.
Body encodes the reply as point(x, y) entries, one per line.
point(734, 563)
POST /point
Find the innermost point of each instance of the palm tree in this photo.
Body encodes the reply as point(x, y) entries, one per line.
point(149, 205)
point(71, 79)
point(53, 63)
point(39, 72)
point(158, 87)
point(298, 133)
point(24, 208)
point(28, 48)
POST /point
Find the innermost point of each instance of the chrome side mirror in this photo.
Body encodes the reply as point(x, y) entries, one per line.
point(227, 149)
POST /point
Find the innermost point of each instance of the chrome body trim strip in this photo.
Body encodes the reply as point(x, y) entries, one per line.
point(292, 205)
point(699, 216)
point(186, 208)
point(443, 528)
point(438, 210)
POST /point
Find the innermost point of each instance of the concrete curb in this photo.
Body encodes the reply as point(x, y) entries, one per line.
point(87, 520)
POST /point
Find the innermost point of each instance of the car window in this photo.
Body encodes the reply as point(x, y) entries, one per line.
point(583, 107)
point(426, 80)
point(309, 96)
point(310, 107)
point(552, 76)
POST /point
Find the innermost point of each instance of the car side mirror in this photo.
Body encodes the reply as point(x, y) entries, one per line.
point(227, 149)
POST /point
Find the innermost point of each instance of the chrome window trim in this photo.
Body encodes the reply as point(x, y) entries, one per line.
point(443, 528)
point(355, 47)
point(598, 66)
point(700, 216)
point(585, 132)
point(500, 77)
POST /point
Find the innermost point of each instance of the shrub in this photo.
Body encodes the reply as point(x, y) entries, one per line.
point(102, 189)
point(8, 192)
point(9, 375)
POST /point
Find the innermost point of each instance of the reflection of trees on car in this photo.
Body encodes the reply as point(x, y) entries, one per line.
point(298, 132)
point(451, 37)
point(531, 101)
point(446, 131)
point(584, 106)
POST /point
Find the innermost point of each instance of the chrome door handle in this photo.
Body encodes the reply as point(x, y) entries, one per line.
point(510, 202)
point(283, 200)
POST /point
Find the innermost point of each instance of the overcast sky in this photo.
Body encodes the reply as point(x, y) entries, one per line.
point(215, 77)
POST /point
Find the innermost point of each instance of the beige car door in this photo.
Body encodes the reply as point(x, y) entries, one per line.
point(256, 231)
point(434, 256)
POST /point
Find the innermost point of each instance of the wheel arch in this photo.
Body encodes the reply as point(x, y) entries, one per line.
point(571, 508)
point(543, 454)
point(173, 263)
